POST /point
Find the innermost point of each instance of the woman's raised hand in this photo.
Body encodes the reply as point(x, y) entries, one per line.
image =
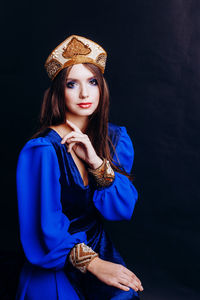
point(82, 146)
point(114, 274)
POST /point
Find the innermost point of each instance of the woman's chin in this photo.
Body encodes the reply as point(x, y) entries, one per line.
point(85, 113)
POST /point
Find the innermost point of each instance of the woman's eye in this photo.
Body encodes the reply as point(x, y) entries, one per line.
point(93, 81)
point(70, 84)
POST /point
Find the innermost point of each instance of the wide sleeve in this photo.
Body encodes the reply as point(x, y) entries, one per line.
point(117, 201)
point(43, 227)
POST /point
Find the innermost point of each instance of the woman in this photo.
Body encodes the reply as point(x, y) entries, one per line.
point(73, 170)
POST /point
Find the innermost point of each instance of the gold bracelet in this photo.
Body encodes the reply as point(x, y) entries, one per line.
point(81, 255)
point(104, 174)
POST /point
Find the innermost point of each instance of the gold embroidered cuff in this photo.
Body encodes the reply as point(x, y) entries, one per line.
point(104, 174)
point(81, 255)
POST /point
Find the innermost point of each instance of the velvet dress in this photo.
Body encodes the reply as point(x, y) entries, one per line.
point(56, 211)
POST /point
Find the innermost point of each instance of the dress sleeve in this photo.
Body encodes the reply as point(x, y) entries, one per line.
point(117, 201)
point(43, 227)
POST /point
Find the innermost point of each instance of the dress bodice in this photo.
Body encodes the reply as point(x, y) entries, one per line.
point(76, 198)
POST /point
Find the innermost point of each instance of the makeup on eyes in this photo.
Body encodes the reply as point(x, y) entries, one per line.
point(71, 82)
point(93, 80)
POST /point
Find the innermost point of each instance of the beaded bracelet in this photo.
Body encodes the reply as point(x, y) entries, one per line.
point(104, 174)
point(81, 255)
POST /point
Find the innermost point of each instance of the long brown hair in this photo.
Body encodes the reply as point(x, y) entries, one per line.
point(53, 112)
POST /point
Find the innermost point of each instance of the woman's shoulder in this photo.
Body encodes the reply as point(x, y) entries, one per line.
point(116, 128)
point(113, 127)
point(37, 154)
point(123, 145)
point(37, 151)
point(117, 132)
point(40, 143)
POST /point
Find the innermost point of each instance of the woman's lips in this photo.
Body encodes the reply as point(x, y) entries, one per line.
point(85, 105)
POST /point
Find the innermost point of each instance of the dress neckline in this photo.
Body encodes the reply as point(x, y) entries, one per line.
point(59, 138)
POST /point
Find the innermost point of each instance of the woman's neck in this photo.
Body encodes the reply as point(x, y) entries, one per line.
point(80, 122)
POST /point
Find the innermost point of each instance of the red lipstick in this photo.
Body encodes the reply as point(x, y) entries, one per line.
point(85, 105)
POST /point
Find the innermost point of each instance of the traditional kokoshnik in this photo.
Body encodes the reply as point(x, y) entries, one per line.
point(75, 50)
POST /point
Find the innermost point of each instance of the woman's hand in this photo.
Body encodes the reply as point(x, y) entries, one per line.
point(82, 146)
point(114, 274)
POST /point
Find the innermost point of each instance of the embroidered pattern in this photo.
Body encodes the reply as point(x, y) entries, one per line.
point(75, 47)
point(104, 174)
point(52, 67)
point(101, 59)
point(81, 255)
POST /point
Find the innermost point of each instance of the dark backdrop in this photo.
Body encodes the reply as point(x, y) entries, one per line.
point(153, 71)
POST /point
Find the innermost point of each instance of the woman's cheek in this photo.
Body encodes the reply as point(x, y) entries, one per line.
point(96, 94)
point(70, 96)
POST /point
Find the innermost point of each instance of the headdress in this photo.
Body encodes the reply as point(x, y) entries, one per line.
point(75, 50)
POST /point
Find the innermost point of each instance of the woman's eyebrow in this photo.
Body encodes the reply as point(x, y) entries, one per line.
point(75, 79)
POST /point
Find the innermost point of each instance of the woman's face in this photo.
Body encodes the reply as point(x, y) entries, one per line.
point(81, 91)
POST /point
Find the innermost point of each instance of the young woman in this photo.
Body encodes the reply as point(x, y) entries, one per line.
point(74, 170)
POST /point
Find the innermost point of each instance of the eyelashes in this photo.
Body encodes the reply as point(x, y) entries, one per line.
point(93, 81)
point(71, 84)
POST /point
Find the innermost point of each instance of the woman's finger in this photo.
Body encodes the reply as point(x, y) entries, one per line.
point(71, 134)
point(131, 283)
point(73, 126)
point(132, 275)
point(134, 285)
point(121, 286)
point(70, 147)
point(77, 139)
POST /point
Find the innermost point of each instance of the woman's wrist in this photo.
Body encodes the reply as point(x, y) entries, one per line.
point(96, 163)
point(92, 265)
point(104, 174)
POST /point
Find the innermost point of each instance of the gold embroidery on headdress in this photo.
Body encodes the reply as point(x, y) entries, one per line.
point(101, 59)
point(76, 47)
point(52, 67)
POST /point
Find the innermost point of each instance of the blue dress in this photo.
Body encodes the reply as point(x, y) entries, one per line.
point(56, 211)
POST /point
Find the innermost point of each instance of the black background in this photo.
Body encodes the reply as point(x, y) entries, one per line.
point(153, 71)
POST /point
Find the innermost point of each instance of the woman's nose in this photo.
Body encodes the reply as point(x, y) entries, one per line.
point(84, 91)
